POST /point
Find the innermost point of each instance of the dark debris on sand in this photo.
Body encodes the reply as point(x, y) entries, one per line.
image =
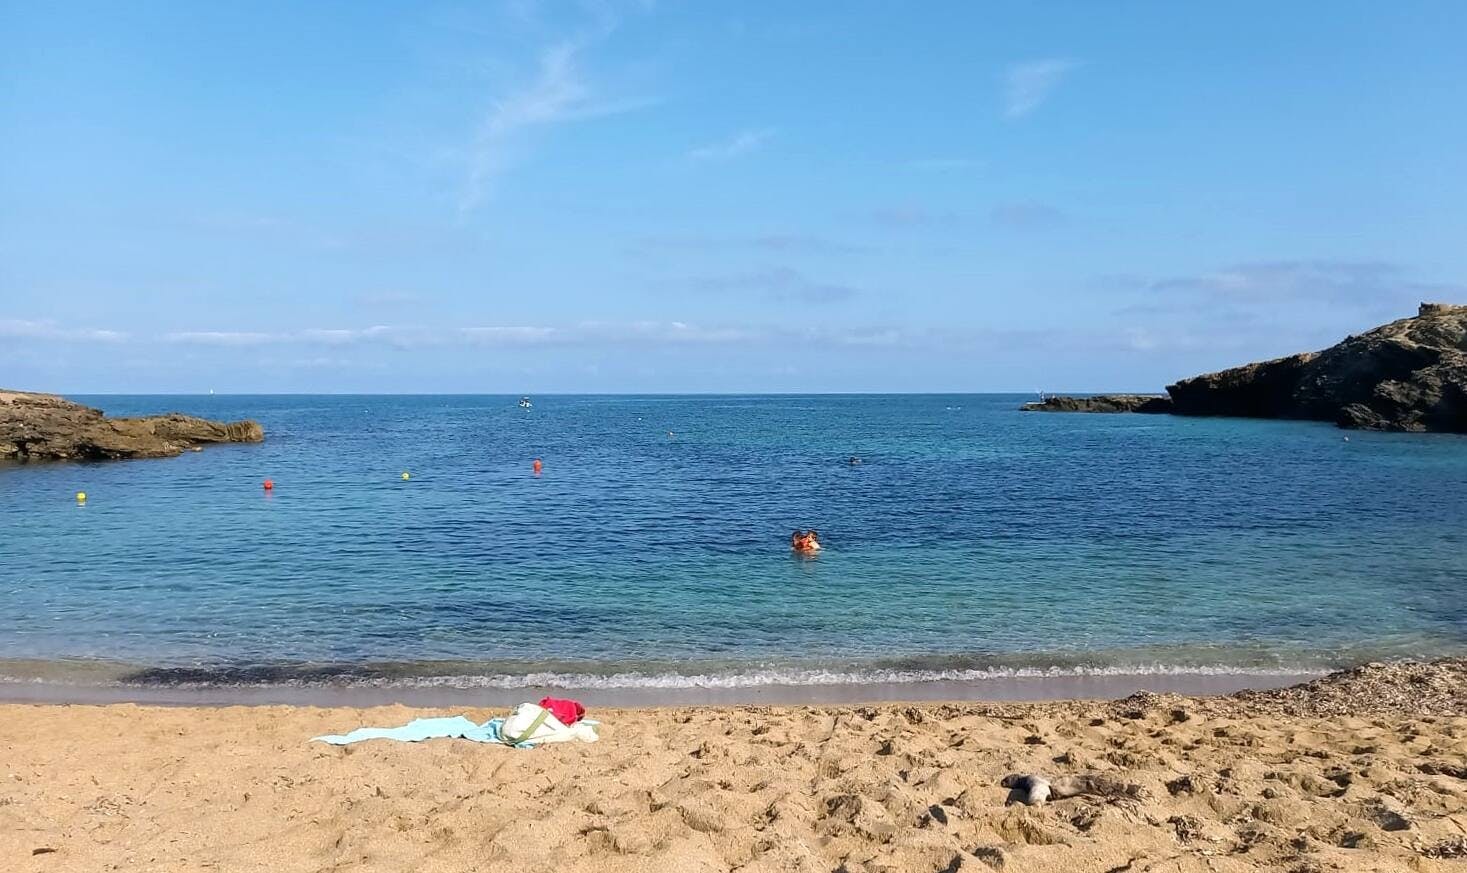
point(1407, 689)
point(1411, 688)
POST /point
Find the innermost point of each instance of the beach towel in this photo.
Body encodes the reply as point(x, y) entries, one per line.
point(527, 726)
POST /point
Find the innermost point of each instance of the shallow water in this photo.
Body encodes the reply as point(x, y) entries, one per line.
point(974, 541)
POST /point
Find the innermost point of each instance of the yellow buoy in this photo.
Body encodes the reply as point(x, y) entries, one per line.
point(81, 497)
point(405, 475)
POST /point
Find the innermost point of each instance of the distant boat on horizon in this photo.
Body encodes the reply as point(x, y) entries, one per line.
point(525, 403)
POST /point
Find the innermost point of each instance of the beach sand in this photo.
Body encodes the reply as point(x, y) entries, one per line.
point(1361, 771)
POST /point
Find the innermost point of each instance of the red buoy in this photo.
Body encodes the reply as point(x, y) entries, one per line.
point(269, 485)
point(537, 466)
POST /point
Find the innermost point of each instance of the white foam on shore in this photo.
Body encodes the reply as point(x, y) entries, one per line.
point(787, 677)
point(732, 679)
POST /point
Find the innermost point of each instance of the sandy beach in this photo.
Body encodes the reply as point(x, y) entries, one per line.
point(1361, 771)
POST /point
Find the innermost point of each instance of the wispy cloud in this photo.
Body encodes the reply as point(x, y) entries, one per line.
point(1326, 281)
point(944, 164)
point(742, 143)
point(584, 333)
point(783, 243)
point(589, 333)
point(559, 93)
point(223, 337)
point(389, 334)
point(352, 347)
point(1262, 309)
point(1029, 84)
point(1026, 215)
point(803, 242)
point(505, 335)
point(50, 330)
point(914, 216)
point(776, 283)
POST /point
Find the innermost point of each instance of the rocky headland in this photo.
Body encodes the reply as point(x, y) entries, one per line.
point(1409, 375)
point(1101, 403)
point(45, 427)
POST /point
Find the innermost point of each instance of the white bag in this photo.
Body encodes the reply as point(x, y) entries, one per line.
point(530, 724)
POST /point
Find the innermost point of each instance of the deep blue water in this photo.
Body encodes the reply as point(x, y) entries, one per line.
point(973, 540)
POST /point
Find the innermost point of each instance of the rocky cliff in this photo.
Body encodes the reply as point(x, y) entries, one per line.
point(47, 427)
point(1409, 375)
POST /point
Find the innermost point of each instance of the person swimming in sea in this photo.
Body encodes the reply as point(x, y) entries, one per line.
point(805, 542)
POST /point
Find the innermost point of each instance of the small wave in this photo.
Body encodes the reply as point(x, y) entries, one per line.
point(759, 678)
point(732, 679)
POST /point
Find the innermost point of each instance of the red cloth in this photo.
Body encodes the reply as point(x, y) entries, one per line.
point(567, 712)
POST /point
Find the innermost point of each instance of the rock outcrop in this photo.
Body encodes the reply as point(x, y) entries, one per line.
point(1101, 403)
point(1409, 375)
point(37, 427)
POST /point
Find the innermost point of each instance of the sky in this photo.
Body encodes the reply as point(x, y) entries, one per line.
point(537, 197)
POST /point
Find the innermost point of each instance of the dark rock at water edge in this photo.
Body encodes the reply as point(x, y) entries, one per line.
point(1409, 375)
point(1101, 403)
point(45, 427)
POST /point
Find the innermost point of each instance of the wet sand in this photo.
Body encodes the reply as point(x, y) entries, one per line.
point(1361, 771)
point(1022, 688)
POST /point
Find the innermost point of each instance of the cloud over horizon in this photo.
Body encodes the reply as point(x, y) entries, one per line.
point(1334, 281)
point(15, 328)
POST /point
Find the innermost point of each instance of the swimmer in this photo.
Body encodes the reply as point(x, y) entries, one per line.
point(855, 461)
point(805, 542)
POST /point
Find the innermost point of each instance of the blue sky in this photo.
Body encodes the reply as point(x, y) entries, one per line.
point(678, 196)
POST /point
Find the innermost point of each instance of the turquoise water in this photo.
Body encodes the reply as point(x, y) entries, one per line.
point(973, 541)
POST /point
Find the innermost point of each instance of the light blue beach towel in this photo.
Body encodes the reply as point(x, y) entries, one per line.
point(457, 726)
point(532, 726)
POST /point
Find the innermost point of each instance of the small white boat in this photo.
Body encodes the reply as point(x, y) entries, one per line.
point(525, 403)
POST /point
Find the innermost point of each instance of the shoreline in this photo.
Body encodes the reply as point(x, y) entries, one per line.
point(1363, 769)
point(1008, 689)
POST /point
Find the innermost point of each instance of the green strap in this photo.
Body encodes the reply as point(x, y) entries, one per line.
point(530, 731)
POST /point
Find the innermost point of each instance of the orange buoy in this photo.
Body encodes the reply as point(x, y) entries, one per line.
point(269, 484)
point(537, 466)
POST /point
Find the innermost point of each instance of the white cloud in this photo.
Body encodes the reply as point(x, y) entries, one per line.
point(49, 330)
point(317, 336)
point(221, 338)
point(509, 335)
point(1330, 281)
point(1029, 84)
point(558, 94)
point(742, 143)
point(312, 344)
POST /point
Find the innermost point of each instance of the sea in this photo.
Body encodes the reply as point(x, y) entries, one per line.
point(971, 543)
